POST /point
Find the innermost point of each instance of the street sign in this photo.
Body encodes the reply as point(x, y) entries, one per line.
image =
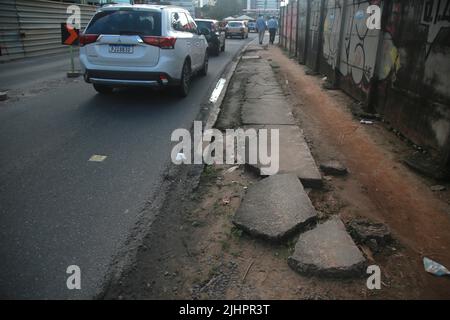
point(69, 35)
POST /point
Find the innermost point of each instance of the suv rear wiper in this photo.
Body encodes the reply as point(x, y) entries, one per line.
point(130, 33)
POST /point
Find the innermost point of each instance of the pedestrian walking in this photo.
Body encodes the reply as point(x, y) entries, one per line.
point(272, 25)
point(261, 28)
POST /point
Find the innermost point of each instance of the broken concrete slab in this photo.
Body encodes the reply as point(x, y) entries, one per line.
point(275, 207)
point(294, 154)
point(327, 250)
point(266, 112)
point(333, 168)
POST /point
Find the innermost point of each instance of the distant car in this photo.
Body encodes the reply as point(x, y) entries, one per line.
point(214, 35)
point(252, 26)
point(142, 45)
point(236, 28)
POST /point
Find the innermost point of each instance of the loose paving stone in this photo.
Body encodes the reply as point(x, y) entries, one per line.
point(275, 207)
point(293, 151)
point(329, 251)
point(333, 168)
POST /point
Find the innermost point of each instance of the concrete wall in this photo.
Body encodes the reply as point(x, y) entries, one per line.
point(401, 70)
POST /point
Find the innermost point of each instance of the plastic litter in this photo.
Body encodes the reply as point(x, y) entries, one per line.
point(435, 268)
point(366, 121)
point(230, 170)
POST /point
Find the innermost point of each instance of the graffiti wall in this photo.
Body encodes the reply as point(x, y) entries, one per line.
point(314, 34)
point(414, 75)
point(331, 35)
point(293, 35)
point(358, 51)
point(400, 69)
point(302, 25)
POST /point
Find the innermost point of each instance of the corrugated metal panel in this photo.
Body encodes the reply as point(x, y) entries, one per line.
point(10, 43)
point(37, 26)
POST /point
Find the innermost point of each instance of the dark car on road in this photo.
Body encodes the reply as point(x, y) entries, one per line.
point(214, 35)
point(251, 26)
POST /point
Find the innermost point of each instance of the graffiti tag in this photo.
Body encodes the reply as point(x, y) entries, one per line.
point(435, 15)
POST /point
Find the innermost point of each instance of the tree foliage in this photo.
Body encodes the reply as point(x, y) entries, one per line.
point(225, 8)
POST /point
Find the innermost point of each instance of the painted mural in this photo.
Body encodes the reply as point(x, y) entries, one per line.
point(331, 31)
point(400, 70)
point(360, 46)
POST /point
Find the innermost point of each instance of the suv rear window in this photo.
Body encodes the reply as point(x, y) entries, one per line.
point(131, 22)
point(205, 24)
point(235, 24)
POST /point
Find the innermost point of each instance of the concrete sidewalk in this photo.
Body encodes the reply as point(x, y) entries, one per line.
point(257, 100)
point(278, 207)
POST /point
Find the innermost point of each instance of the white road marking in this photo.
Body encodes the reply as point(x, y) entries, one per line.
point(218, 90)
point(97, 158)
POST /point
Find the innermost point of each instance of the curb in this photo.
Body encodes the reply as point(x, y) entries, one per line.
point(216, 108)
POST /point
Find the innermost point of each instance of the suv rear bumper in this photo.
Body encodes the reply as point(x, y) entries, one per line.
point(129, 78)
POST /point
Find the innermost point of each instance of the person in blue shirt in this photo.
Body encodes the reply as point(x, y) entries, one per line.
point(272, 25)
point(261, 28)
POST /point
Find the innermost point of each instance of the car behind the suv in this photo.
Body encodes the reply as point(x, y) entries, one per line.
point(142, 45)
point(214, 35)
point(236, 28)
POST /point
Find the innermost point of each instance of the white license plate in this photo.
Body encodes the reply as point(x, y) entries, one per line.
point(121, 48)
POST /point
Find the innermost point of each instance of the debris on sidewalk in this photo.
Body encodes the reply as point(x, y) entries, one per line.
point(226, 200)
point(435, 268)
point(333, 168)
point(438, 188)
point(373, 235)
point(231, 169)
point(366, 122)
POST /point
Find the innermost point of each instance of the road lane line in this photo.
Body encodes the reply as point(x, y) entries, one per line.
point(97, 158)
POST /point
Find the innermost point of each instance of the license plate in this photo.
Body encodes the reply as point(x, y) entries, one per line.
point(121, 48)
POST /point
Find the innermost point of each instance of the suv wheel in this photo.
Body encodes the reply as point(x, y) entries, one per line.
point(204, 70)
point(103, 89)
point(183, 88)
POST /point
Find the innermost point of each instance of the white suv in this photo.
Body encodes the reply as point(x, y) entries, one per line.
point(142, 45)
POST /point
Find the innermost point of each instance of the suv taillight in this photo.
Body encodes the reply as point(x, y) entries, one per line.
point(162, 42)
point(87, 39)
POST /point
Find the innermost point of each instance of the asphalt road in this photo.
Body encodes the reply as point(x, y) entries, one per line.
point(56, 207)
